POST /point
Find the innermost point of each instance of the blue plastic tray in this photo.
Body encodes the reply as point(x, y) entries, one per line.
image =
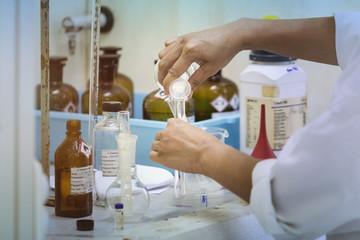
point(145, 129)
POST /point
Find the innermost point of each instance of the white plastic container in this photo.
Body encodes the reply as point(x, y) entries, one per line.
point(280, 84)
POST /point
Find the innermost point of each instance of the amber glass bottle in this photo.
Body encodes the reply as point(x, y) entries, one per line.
point(215, 97)
point(63, 96)
point(156, 108)
point(73, 174)
point(108, 91)
point(120, 79)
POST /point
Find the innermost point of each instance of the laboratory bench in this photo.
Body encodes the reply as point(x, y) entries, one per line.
point(226, 217)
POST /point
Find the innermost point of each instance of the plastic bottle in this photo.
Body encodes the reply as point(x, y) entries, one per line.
point(63, 96)
point(108, 91)
point(280, 84)
point(73, 174)
point(120, 78)
point(216, 97)
point(106, 150)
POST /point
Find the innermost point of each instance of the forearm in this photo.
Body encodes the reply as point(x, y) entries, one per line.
point(230, 167)
point(309, 39)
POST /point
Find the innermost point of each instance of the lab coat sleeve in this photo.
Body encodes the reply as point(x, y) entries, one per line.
point(313, 187)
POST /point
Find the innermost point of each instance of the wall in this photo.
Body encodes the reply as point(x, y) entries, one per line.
point(142, 26)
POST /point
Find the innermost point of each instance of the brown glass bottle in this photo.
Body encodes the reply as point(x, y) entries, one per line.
point(156, 108)
point(63, 96)
point(120, 79)
point(215, 96)
point(108, 91)
point(73, 174)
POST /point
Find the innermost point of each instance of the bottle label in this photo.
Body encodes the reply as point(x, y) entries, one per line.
point(71, 107)
point(81, 180)
point(219, 103)
point(85, 149)
point(234, 102)
point(109, 162)
point(283, 117)
point(215, 115)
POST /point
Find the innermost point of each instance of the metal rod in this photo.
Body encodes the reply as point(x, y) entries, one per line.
point(45, 102)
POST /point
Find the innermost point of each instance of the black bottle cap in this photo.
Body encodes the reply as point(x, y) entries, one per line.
point(85, 225)
point(111, 106)
point(264, 56)
point(57, 60)
point(110, 49)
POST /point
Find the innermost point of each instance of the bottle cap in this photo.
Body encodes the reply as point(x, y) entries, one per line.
point(110, 49)
point(73, 124)
point(119, 206)
point(85, 225)
point(264, 56)
point(111, 106)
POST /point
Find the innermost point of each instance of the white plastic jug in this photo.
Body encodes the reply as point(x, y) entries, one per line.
point(280, 84)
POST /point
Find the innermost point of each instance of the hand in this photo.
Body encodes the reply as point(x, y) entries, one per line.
point(181, 146)
point(212, 49)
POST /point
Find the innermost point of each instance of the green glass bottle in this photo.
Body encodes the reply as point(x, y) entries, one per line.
point(156, 108)
point(215, 97)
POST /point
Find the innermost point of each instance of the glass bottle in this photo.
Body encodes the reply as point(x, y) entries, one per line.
point(63, 96)
point(120, 78)
point(215, 97)
point(73, 174)
point(108, 91)
point(127, 188)
point(106, 150)
point(156, 107)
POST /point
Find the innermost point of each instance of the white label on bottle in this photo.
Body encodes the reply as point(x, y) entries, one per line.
point(219, 103)
point(81, 180)
point(215, 115)
point(234, 102)
point(85, 149)
point(283, 117)
point(109, 162)
point(160, 94)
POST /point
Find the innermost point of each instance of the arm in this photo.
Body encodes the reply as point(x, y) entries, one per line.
point(310, 39)
point(187, 148)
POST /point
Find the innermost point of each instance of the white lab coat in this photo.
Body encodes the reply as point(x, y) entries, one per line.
point(313, 188)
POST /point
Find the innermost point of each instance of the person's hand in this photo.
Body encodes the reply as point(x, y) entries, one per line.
point(212, 49)
point(181, 146)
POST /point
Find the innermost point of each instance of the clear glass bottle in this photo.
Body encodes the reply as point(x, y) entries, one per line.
point(108, 91)
point(105, 150)
point(127, 188)
point(73, 174)
point(120, 78)
point(215, 97)
point(63, 96)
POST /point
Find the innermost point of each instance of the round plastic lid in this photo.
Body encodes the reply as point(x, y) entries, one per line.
point(264, 56)
point(85, 225)
point(119, 206)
